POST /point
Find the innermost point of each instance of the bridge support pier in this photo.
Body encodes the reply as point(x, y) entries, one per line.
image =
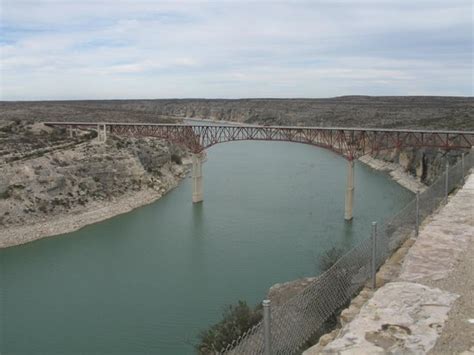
point(101, 133)
point(196, 175)
point(349, 191)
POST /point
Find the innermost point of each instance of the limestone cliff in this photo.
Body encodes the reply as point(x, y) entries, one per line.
point(45, 174)
point(425, 164)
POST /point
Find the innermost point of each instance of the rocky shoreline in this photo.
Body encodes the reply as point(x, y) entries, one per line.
point(51, 183)
point(95, 212)
point(396, 172)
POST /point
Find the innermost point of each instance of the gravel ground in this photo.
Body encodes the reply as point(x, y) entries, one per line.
point(458, 333)
point(443, 258)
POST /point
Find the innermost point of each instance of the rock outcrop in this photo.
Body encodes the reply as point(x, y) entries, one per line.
point(45, 174)
point(424, 164)
point(280, 293)
point(401, 317)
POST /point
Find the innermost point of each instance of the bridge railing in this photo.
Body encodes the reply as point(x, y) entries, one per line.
point(298, 320)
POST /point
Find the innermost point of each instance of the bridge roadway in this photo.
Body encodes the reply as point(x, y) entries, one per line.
point(350, 143)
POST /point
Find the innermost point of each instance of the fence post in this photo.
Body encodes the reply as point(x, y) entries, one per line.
point(417, 222)
point(446, 187)
point(267, 333)
point(462, 168)
point(373, 268)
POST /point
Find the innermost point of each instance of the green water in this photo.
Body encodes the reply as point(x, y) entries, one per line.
point(148, 281)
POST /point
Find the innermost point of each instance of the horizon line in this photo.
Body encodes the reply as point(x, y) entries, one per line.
point(245, 98)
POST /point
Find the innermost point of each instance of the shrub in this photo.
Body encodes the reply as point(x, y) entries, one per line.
point(329, 258)
point(43, 206)
point(175, 158)
point(236, 320)
point(5, 194)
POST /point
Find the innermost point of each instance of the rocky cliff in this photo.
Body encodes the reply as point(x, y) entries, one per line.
point(44, 174)
point(425, 164)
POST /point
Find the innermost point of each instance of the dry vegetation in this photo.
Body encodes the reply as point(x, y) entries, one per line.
point(348, 111)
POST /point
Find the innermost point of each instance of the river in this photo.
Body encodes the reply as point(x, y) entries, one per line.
point(148, 281)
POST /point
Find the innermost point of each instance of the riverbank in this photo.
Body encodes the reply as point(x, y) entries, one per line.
point(396, 172)
point(94, 212)
point(52, 183)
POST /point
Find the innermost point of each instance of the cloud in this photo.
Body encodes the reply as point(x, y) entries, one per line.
point(118, 49)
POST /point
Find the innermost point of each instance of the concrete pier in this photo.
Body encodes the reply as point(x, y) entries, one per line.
point(197, 178)
point(349, 191)
point(101, 133)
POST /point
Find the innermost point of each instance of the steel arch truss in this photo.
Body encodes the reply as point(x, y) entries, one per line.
point(351, 143)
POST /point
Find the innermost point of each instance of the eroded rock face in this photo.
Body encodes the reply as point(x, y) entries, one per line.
point(53, 174)
point(401, 318)
point(424, 164)
point(280, 293)
point(396, 171)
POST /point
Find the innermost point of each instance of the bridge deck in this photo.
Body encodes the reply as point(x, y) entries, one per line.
point(348, 142)
point(236, 124)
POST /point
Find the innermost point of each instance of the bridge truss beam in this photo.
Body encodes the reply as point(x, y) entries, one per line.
point(351, 143)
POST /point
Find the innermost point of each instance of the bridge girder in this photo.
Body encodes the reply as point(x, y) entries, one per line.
point(351, 143)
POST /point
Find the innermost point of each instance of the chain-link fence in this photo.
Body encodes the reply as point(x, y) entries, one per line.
point(293, 323)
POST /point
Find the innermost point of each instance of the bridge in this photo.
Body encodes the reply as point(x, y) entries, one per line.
point(350, 143)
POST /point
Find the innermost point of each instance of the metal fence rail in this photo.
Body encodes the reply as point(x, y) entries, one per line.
point(293, 323)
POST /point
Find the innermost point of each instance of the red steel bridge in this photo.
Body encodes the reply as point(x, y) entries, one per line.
point(350, 143)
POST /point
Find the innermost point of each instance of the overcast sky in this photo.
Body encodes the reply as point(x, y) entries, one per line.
point(64, 49)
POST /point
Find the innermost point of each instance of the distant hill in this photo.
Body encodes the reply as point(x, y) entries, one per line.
point(426, 112)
